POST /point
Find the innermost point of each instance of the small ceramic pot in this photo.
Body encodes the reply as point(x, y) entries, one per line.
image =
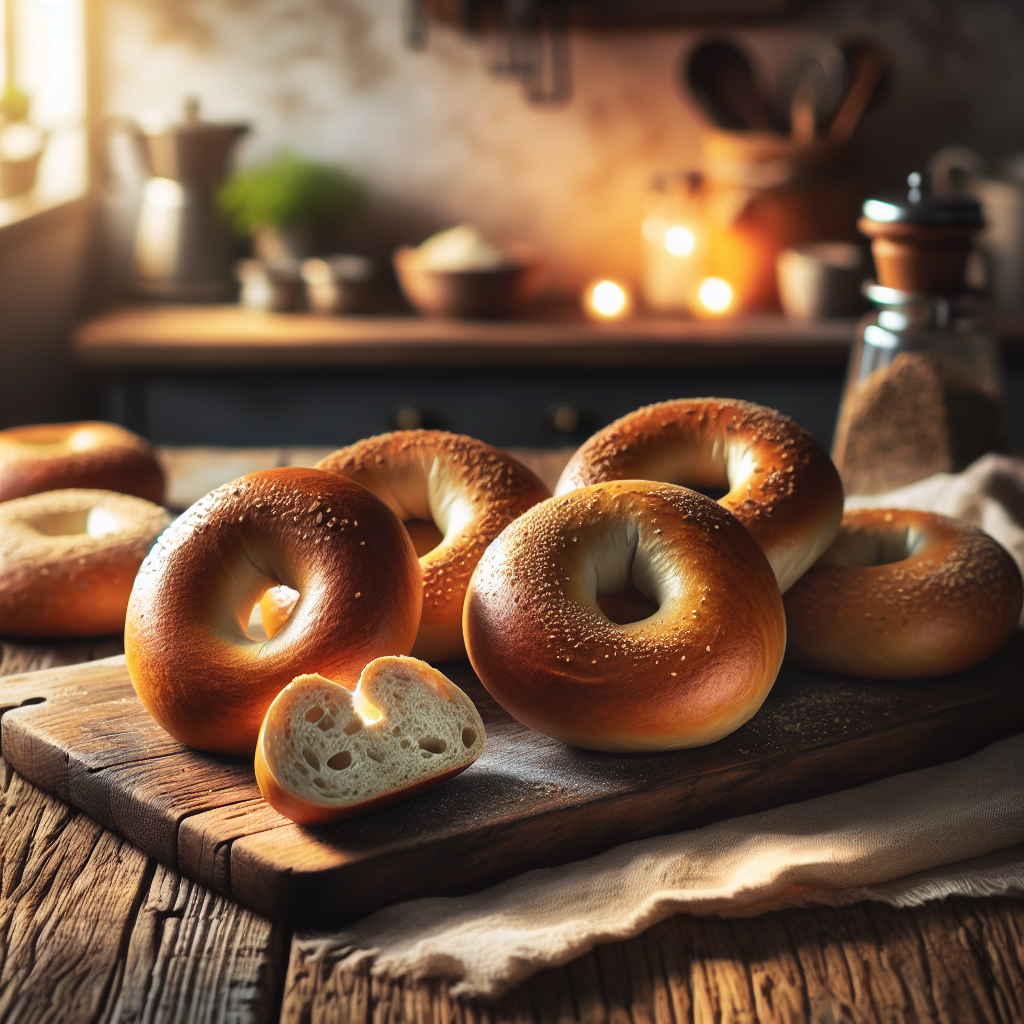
point(338, 284)
point(820, 280)
point(920, 243)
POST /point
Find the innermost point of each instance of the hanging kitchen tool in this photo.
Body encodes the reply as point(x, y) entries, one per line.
point(182, 249)
point(531, 42)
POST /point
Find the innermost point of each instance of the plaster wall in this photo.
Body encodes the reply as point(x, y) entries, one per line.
point(439, 140)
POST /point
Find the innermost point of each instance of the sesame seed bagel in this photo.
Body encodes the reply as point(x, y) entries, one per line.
point(690, 673)
point(345, 552)
point(455, 495)
point(902, 595)
point(68, 560)
point(782, 487)
point(54, 456)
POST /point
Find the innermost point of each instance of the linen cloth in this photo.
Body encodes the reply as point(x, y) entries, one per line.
point(955, 829)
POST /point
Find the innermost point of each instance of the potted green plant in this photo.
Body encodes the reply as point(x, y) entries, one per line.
point(292, 206)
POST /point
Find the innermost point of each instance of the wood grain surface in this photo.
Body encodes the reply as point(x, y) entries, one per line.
point(959, 961)
point(81, 734)
point(93, 931)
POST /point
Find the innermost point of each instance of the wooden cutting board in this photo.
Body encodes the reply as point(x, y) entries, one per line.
point(80, 733)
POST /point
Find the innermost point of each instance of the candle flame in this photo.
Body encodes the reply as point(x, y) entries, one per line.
point(679, 241)
point(606, 300)
point(715, 294)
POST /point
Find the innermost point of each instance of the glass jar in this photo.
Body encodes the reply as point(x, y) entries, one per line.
point(923, 392)
point(674, 241)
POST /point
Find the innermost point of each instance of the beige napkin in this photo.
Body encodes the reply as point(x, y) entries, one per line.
point(903, 840)
point(953, 829)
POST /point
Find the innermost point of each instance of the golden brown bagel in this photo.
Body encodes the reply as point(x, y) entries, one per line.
point(455, 495)
point(338, 545)
point(901, 595)
point(694, 671)
point(326, 753)
point(54, 456)
point(782, 487)
point(68, 560)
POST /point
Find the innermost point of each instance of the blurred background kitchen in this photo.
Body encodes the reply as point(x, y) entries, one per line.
point(635, 176)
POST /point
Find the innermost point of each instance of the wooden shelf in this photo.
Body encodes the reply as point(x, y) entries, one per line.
point(181, 337)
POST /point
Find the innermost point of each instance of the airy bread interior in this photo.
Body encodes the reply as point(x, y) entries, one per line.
point(405, 724)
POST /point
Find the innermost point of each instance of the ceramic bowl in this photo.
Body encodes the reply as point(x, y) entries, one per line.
point(465, 294)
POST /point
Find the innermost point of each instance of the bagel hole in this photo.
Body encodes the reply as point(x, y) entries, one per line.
point(254, 628)
point(433, 744)
point(311, 759)
point(339, 761)
point(61, 524)
point(374, 756)
point(629, 605)
point(468, 737)
point(424, 534)
point(353, 725)
point(314, 714)
point(274, 611)
point(708, 490)
point(858, 549)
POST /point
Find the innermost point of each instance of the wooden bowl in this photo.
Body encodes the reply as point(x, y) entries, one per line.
point(465, 294)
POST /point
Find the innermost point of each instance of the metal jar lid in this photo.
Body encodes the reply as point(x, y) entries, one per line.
point(919, 207)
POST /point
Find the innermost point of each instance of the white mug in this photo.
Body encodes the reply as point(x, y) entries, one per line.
point(957, 170)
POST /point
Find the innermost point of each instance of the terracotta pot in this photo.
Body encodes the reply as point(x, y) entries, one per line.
point(764, 193)
point(924, 259)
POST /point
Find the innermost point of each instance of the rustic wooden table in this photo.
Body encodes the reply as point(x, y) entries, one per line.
point(92, 930)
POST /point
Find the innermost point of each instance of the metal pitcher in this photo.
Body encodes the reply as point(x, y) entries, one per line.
point(182, 249)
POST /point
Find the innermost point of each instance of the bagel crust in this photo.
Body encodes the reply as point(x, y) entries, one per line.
point(468, 490)
point(903, 595)
point(190, 659)
point(55, 456)
point(68, 560)
point(692, 672)
point(782, 487)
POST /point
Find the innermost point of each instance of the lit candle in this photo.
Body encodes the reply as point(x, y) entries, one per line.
point(674, 241)
point(606, 300)
point(714, 295)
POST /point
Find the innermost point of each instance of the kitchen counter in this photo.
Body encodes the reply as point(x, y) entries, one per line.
point(224, 375)
point(230, 336)
point(96, 931)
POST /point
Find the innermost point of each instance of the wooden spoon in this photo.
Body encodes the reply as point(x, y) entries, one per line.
point(868, 64)
point(721, 79)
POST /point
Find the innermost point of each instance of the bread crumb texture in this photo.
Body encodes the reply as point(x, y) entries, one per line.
point(404, 725)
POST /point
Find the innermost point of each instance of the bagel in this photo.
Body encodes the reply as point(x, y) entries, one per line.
point(190, 659)
point(326, 753)
point(902, 595)
point(54, 456)
point(68, 560)
point(692, 672)
point(455, 495)
point(782, 487)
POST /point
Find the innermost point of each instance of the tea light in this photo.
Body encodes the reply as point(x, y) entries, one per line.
point(606, 300)
point(714, 295)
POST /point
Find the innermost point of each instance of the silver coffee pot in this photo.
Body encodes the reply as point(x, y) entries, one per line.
point(182, 246)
